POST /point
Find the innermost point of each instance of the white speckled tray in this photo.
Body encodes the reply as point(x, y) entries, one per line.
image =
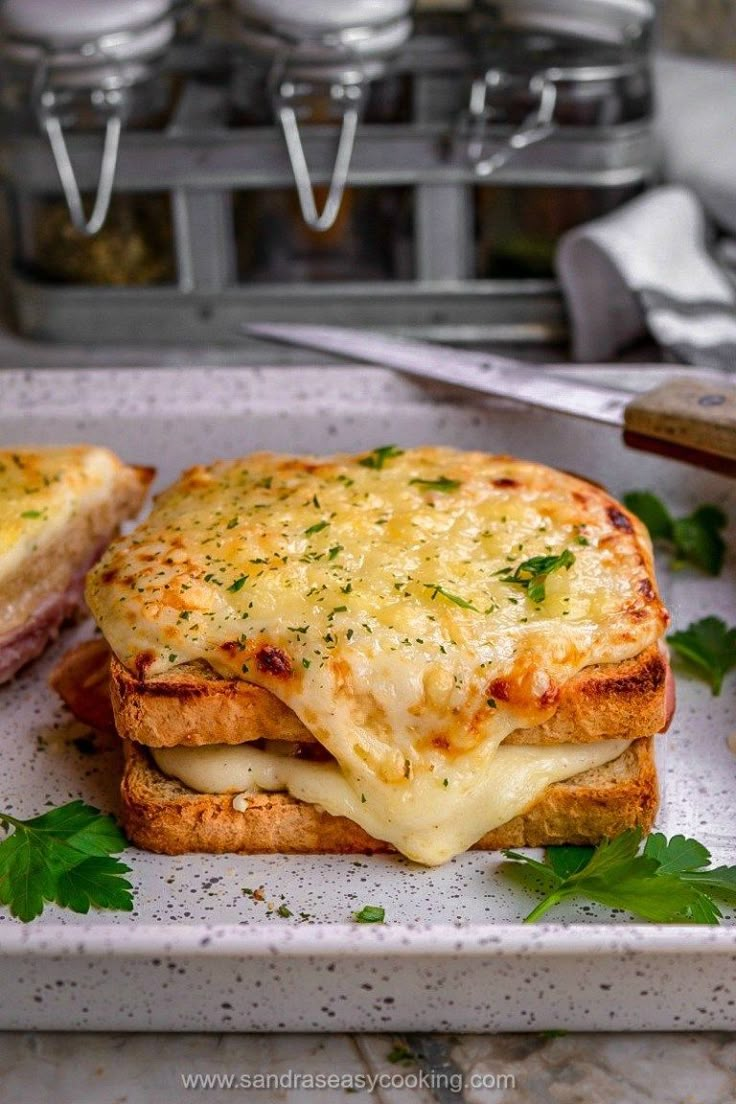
point(199, 953)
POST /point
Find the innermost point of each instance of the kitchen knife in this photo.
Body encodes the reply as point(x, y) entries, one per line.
point(690, 418)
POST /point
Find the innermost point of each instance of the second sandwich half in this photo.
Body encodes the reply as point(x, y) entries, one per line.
point(421, 649)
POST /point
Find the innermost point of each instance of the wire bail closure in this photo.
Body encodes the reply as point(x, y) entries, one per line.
point(537, 125)
point(67, 75)
point(48, 107)
point(285, 93)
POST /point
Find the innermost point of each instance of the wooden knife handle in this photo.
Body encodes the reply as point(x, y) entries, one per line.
point(692, 419)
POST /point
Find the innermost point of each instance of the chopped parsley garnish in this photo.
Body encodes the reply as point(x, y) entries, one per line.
point(533, 574)
point(335, 551)
point(379, 456)
point(441, 484)
point(709, 648)
point(282, 910)
point(400, 1052)
point(31, 514)
point(665, 882)
point(454, 598)
point(316, 528)
point(232, 523)
point(370, 914)
point(695, 539)
point(238, 584)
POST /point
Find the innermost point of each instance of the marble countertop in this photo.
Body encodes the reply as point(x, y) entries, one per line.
point(498, 1069)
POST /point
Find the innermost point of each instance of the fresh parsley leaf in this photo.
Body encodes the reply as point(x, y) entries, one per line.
point(379, 456)
point(370, 914)
point(677, 855)
point(441, 484)
point(238, 584)
point(568, 860)
point(709, 648)
point(695, 539)
point(720, 881)
point(401, 1052)
point(652, 511)
point(454, 598)
point(63, 856)
point(96, 882)
point(533, 574)
point(316, 528)
point(665, 881)
point(698, 541)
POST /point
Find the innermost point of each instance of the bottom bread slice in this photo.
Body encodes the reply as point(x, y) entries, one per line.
point(160, 814)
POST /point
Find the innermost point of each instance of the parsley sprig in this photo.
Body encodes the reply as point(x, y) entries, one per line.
point(454, 598)
point(708, 647)
point(370, 914)
point(533, 574)
point(666, 881)
point(441, 484)
point(379, 456)
point(695, 539)
point(63, 857)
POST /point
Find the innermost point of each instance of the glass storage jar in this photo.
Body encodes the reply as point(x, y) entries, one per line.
point(94, 66)
point(546, 66)
point(321, 61)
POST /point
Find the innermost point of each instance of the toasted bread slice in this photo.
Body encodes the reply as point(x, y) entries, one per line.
point(81, 678)
point(162, 815)
point(191, 706)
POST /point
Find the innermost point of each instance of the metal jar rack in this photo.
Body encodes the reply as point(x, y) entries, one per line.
point(200, 160)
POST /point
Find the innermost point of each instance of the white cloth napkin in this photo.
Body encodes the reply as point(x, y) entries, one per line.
point(645, 269)
point(696, 108)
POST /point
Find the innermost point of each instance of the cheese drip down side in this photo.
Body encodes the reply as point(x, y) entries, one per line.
point(371, 594)
point(438, 819)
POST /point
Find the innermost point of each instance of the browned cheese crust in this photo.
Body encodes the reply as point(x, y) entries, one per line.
point(191, 706)
point(162, 815)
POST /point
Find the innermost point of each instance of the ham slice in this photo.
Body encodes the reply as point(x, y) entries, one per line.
point(29, 641)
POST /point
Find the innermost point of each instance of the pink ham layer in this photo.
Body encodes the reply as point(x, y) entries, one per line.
point(28, 642)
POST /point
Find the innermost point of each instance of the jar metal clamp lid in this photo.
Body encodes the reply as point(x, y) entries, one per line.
point(88, 48)
point(338, 47)
point(549, 45)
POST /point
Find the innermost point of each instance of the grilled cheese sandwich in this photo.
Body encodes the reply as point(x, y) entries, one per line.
point(413, 610)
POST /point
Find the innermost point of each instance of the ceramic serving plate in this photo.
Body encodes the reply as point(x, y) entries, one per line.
point(202, 951)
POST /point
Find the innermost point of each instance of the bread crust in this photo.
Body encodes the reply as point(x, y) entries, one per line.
point(191, 706)
point(162, 815)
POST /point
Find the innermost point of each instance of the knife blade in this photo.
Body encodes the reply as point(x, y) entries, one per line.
point(689, 418)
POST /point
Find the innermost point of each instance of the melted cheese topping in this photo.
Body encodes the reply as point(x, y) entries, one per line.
point(371, 594)
point(41, 492)
point(435, 821)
